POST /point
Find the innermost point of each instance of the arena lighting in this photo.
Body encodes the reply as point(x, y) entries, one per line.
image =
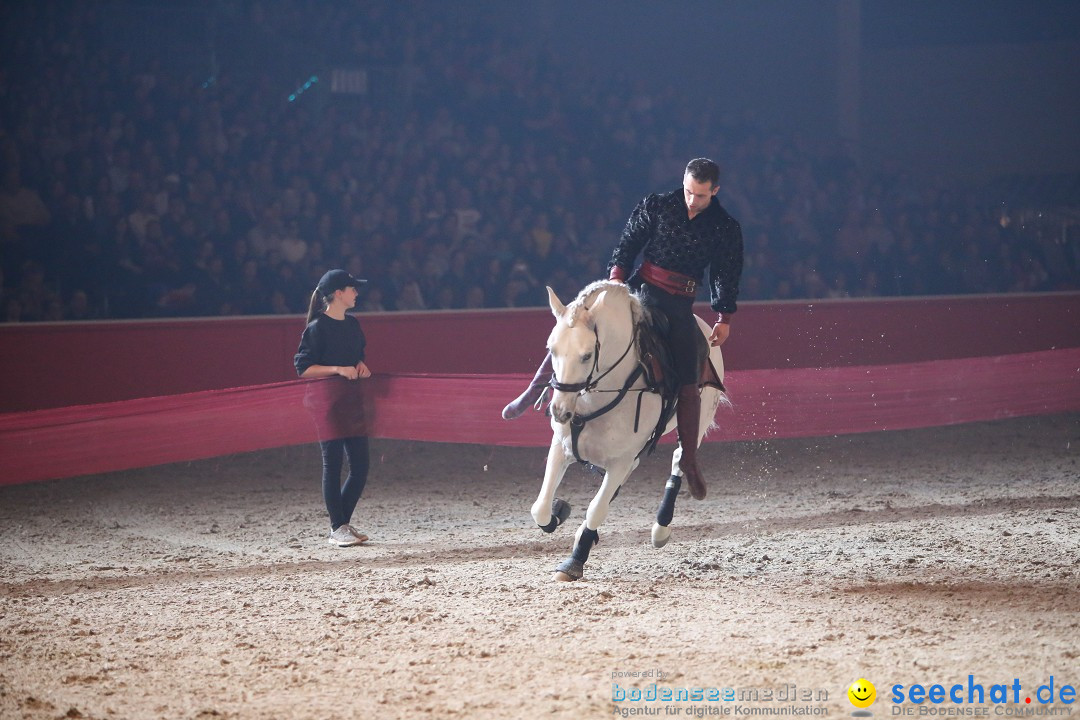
point(300, 90)
point(209, 81)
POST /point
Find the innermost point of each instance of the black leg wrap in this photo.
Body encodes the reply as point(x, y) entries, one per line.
point(560, 510)
point(667, 505)
point(571, 568)
point(584, 545)
point(574, 566)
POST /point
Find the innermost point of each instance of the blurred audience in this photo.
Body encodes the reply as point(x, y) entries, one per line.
point(476, 170)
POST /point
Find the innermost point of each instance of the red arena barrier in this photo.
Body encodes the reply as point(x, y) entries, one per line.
point(1002, 357)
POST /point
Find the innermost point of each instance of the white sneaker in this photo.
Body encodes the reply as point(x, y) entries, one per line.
point(356, 533)
point(342, 537)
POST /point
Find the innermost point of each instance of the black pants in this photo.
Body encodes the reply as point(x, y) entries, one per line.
point(341, 499)
point(683, 330)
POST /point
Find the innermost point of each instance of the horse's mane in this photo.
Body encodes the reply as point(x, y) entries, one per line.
point(588, 294)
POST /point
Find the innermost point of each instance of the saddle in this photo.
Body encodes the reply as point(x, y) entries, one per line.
point(660, 375)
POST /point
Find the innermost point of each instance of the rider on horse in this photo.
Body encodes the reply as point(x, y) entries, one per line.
point(681, 233)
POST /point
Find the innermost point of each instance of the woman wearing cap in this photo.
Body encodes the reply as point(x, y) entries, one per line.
point(332, 346)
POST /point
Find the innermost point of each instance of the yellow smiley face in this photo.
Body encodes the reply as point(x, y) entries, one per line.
point(862, 693)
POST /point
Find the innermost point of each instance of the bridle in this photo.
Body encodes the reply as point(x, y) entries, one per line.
point(577, 422)
point(589, 384)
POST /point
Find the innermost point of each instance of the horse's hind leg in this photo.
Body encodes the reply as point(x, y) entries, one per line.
point(661, 532)
point(547, 511)
point(711, 399)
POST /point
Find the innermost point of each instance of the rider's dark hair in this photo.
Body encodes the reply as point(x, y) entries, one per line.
point(704, 170)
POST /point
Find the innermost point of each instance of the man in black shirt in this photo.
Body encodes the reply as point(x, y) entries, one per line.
point(681, 234)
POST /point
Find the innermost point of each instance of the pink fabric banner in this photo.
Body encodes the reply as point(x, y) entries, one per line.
point(88, 439)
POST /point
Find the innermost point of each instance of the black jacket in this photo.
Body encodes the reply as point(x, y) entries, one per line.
point(660, 227)
point(327, 341)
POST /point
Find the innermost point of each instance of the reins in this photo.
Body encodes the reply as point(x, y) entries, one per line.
point(577, 423)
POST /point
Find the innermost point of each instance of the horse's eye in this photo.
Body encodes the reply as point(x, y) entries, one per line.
point(586, 357)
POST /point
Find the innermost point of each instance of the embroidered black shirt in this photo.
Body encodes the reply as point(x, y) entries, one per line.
point(660, 226)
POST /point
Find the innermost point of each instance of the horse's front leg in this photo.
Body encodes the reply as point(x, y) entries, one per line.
point(573, 568)
point(547, 511)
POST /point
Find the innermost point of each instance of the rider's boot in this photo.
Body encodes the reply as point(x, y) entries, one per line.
point(536, 388)
point(688, 412)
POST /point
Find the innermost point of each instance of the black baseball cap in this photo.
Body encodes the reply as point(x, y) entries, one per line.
point(337, 280)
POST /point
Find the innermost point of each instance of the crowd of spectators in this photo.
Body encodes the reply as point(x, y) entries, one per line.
point(489, 170)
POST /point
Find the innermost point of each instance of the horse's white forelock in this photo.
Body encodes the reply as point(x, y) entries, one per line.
point(588, 294)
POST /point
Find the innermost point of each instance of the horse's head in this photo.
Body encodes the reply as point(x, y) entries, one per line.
point(575, 343)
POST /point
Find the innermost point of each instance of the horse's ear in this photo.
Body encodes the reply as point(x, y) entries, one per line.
point(556, 305)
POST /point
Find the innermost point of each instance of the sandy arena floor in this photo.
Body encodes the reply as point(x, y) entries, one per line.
point(207, 590)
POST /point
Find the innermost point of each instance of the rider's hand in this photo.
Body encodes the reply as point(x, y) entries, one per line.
point(720, 332)
point(362, 370)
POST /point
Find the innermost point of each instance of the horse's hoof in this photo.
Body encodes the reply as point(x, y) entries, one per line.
point(570, 569)
point(560, 509)
point(660, 535)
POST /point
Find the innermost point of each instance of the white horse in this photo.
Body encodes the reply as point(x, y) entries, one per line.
point(602, 411)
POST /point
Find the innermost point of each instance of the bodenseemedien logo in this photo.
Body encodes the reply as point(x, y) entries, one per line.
point(656, 698)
